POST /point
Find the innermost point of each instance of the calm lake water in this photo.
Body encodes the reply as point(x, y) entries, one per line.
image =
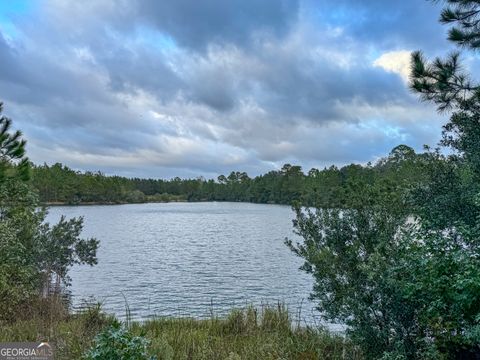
point(190, 259)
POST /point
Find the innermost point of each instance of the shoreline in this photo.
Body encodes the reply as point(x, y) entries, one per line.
point(93, 203)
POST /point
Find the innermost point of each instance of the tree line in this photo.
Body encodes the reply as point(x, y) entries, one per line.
point(330, 187)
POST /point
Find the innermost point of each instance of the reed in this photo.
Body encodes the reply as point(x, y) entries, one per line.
point(249, 333)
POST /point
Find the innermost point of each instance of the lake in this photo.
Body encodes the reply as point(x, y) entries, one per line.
point(190, 259)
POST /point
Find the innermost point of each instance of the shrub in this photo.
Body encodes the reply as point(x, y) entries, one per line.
point(117, 343)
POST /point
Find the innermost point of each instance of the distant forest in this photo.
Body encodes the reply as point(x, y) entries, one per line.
point(332, 187)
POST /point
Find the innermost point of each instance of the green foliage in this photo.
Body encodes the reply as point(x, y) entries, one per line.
point(18, 275)
point(30, 250)
point(465, 16)
point(440, 274)
point(350, 253)
point(332, 187)
point(442, 81)
point(445, 263)
point(19, 219)
point(61, 248)
point(403, 271)
point(405, 287)
point(117, 343)
point(12, 150)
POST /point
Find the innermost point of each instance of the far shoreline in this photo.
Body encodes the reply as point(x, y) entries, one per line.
point(94, 203)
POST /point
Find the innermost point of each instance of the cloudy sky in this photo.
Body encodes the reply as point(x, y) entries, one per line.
point(187, 87)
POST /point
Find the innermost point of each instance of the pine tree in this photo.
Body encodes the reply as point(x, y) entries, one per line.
point(12, 149)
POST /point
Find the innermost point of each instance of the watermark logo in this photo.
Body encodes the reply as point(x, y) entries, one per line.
point(26, 351)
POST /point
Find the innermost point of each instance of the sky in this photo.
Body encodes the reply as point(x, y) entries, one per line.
point(194, 88)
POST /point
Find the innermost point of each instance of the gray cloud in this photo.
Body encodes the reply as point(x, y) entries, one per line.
point(198, 23)
point(200, 88)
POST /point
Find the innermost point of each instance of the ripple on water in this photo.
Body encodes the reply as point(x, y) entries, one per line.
point(190, 259)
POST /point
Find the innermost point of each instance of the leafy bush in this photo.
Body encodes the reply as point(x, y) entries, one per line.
point(117, 343)
point(349, 252)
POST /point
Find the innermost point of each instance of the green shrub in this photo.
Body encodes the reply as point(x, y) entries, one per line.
point(117, 343)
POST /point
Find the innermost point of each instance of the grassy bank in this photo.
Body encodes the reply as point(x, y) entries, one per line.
point(244, 334)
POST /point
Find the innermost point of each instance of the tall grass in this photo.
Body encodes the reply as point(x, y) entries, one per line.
point(71, 334)
point(250, 333)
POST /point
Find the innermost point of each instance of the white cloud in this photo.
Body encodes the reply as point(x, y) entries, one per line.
point(397, 62)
